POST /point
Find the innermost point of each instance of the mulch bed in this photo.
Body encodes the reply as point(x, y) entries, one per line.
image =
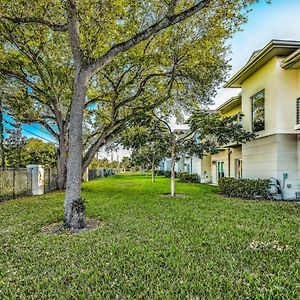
point(59, 229)
point(168, 195)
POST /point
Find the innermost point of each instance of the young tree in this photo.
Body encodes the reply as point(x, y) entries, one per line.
point(149, 144)
point(126, 163)
point(208, 131)
point(123, 26)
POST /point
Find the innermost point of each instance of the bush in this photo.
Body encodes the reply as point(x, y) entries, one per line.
point(166, 174)
point(186, 177)
point(245, 188)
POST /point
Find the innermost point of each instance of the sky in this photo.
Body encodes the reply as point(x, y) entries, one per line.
point(279, 20)
point(266, 22)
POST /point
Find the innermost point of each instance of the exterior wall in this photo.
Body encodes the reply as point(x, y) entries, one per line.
point(180, 165)
point(236, 153)
point(167, 165)
point(196, 167)
point(272, 156)
point(202, 167)
point(229, 164)
point(281, 91)
point(222, 156)
point(288, 90)
point(206, 175)
point(263, 79)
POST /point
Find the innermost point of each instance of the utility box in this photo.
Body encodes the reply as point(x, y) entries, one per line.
point(36, 175)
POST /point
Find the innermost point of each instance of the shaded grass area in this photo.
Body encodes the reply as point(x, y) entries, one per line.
point(198, 247)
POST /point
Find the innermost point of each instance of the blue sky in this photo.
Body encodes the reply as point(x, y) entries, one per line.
point(279, 20)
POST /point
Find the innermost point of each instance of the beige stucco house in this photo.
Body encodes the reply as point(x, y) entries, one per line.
point(228, 162)
point(270, 103)
point(270, 83)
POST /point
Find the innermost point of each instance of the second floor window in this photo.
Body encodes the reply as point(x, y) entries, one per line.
point(258, 111)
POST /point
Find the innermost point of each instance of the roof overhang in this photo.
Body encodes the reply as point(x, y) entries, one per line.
point(292, 61)
point(274, 48)
point(230, 104)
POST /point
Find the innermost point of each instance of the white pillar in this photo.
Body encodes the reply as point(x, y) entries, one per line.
point(85, 176)
point(37, 175)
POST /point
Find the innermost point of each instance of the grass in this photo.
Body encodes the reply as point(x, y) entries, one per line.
point(151, 247)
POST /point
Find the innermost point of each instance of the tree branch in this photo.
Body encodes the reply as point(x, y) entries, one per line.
point(74, 33)
point(40, 21)
point(164, 23)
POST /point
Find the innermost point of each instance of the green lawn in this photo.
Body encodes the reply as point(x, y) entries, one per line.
point(151, 247)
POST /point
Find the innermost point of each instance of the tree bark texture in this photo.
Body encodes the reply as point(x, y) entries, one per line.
point(62, 163)
point(74, 212)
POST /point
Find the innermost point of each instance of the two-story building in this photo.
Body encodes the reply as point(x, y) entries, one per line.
point(270, 103)
point(270, 83)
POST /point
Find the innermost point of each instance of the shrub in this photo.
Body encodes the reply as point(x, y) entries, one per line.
point(160, 173)
point(166, 173)
point(245, 188)
point(186, 177)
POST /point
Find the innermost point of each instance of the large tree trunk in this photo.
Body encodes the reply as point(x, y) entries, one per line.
point(173, 159)
point(62, 163)
point(74, 210)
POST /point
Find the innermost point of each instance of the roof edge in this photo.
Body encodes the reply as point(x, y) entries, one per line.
point(291, 60)
point(228, 102)
point(267, 49)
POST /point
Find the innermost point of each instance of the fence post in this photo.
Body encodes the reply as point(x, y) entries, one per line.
point(14, 183)
point(49, 181)
point(37, 179)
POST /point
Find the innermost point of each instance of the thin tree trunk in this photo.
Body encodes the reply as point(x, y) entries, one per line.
point(92, 152)
point(153, 171)
point(173, 158)
point(74, 210)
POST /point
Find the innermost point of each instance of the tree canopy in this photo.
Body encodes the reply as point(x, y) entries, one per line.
point(90, 35)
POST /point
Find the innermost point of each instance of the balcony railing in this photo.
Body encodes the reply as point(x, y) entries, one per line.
point(297, 114)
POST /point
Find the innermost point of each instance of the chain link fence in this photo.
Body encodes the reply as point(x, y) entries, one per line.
point(50, 179)
point(101, 172)
point(18, 182)
point(15, 183)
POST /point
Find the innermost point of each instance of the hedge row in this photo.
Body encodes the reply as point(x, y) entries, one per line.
point(245, 188)
point(182, 176)
point(166, 174)
point(186, 177)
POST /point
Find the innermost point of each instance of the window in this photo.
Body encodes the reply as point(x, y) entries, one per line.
point(258, 111)
point(220, 169)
